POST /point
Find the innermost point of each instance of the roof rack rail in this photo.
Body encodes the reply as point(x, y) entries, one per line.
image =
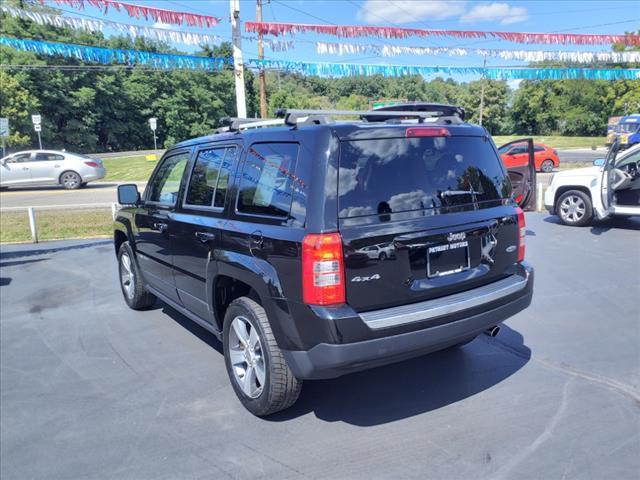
point(438, 109)
point(234, 124)
point(448, 113)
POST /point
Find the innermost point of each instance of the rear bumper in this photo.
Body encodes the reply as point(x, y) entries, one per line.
point(333, 360)
point(94, 174)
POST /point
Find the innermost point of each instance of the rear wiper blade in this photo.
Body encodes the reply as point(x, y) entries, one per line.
point(451, 193)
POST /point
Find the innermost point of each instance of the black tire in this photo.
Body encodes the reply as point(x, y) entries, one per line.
point(382, 256)
point(138, 297)
point(547, 166)
point(70, 180)
point(280, 389)
point(578, 217)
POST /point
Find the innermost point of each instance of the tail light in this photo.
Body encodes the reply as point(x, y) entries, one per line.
point(522, 233)
point(322, 269)
point(427, 132)
point(92, 164)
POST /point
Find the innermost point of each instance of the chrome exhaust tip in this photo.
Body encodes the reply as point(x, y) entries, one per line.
point(492, 331)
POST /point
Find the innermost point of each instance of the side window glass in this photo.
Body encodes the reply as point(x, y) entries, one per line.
point(20, 158)
point(267, 179)
point(210, 177)
point(223, 177)
point(538, 149)
point(165, 185)
point(44, 157)
point(204, 177)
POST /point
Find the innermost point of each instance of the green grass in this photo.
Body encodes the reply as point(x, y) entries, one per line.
point(555, 141)
point(128, 169)
point(56, 224)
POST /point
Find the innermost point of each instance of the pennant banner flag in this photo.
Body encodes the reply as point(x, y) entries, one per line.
point(353, 31)
point(133, 31)
point(524, 55)
point(108, 56)
point(139, 11)
point(493, 73)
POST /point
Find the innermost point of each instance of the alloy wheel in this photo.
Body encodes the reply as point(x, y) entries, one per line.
point(572, 209)
point(547, 166)
point(245, 354)
point(127, 278)
point(70, 180)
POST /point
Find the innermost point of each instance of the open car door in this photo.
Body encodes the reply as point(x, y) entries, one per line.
point(523, 175)
point(606, 181)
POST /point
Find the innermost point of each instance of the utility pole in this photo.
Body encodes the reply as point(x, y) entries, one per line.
point(262, 74)
point(484, 66)
point(238, 66)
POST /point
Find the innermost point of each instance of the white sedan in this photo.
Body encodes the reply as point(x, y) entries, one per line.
point(49, 167)
point(610, 187)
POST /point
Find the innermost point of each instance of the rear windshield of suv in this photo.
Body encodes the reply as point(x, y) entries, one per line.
point(393, 175)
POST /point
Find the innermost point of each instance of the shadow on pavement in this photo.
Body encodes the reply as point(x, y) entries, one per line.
point(598, 227)
point(204, 335)
point(403, 390)
point(21, 262)
point(18, 253)
point(400, 390)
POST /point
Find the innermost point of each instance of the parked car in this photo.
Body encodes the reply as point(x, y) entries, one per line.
point(251, 233)
point(546, 158)
point(610, 187)
point(626, 130)
point(49, 167)
point(379, 252)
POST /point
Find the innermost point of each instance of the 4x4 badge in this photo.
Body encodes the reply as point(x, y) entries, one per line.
point(375, 276)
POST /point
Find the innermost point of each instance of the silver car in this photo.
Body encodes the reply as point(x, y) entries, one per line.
point(49, 167)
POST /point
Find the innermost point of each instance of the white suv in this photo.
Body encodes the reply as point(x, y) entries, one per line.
point(610, 187)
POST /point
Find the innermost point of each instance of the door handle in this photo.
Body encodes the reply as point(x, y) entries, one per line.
point(205, 237)
point(161, 227)
point(56, 166)
point(25, 168)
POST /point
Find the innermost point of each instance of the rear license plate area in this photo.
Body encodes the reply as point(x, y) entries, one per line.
point(447, 258)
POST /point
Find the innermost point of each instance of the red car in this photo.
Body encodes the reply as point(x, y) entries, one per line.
point(546, 158)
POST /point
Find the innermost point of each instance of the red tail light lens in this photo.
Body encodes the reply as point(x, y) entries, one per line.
point(427, 132)
point(322, 269)
point(522, 233)
point(92, 164)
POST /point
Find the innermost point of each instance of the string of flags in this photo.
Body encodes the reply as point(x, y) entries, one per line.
point(108, 56)
point(98, 26)
point(324, 48)
point(322, 69)
point(161, 15)
point(354, 31)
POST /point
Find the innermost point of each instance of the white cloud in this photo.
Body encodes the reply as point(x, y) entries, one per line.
point(502, 13)
point(406, 11)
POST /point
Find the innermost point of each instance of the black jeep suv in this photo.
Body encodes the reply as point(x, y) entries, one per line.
point(319, 248)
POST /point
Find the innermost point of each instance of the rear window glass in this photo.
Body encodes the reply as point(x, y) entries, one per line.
point(395, 175)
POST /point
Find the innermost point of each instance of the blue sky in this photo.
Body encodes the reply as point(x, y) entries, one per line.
point(575, 16)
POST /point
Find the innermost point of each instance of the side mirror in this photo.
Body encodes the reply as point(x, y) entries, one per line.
point(598, 162)
point(128, 194)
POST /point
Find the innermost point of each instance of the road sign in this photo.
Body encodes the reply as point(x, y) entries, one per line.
point(37, 127)
point(36, 120)
point(4, 127)
point(153, 123)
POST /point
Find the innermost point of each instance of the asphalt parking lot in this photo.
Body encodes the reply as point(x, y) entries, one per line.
point(90, 389)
